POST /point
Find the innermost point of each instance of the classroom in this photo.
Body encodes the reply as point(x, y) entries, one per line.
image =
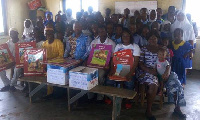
point(99, 60)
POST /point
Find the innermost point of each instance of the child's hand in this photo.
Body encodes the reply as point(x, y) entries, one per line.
point(153, 71)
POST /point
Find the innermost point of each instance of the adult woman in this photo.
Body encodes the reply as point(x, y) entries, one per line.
point(147, 73)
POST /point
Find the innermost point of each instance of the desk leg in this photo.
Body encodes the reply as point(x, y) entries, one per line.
point(74, 98)
point(68, 99)
point(116, 107)
point(38, 88)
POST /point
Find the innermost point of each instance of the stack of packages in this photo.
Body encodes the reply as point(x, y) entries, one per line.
point(30, 58)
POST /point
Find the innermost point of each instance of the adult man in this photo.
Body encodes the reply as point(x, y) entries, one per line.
point(9, 85)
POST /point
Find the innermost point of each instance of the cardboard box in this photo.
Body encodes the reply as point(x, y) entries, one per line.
point(58, 70)
point(83, 78)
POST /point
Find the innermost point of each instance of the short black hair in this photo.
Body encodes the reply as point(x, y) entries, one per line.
point(153, 33)
point(129, 32)
point(102, 27)
point(179, 29)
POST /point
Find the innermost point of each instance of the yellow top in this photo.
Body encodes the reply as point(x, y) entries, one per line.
point(54, 50)
point(176, 46)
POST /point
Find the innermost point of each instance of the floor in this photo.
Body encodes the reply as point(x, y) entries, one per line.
point(15, 106)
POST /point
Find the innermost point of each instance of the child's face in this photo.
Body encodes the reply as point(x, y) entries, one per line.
point(48, 17)
point(155, 26)
point(180, 17)
point(119, 31)
point(162, 55)
point(109, 28)
point(27, 24)
point(94, 28)
point(153, 15)
point(132, 19)
point(126, 37)
point(167, 27)
point(165, 43)
point(178, 35)
point(133, 29)
point(145, 31)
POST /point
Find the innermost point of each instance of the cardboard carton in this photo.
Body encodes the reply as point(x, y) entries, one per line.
point(83, 78)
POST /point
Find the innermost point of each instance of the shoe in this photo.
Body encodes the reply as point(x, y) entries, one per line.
point(12, 89)
point(5, 88)
point(128, 106)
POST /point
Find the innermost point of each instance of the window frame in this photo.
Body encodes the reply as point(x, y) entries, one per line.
point(3, 6)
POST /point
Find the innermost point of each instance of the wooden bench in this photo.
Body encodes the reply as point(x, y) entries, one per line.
point(117, 93)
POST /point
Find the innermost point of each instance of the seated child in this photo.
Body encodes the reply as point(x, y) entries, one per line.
point(172, 84)
point(163, 67)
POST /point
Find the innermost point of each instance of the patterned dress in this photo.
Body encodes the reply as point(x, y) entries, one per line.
point(149, 60)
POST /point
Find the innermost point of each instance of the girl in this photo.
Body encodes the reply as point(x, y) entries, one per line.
point(144, 35)
point(48, 19)
point(127, 43)
point(28, 28)
point(137, 38)
point(165, 30)
point(182, 53)
point(117, 37)
point(110, 30)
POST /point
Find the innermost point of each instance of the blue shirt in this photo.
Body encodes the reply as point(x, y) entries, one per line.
point(139, 40)
point(117, 41)
point(77, 48)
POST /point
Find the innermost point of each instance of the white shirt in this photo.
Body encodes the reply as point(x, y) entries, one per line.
point(107, 42)
point(161, 66)
point(11, 46)
point(134, 47)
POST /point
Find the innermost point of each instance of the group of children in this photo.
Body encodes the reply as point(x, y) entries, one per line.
point(68, 37)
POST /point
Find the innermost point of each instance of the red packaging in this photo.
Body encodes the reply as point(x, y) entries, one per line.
point(19, 52)
point(6, 57)
point(33, 62)
point(123, 62)
point(34, 4)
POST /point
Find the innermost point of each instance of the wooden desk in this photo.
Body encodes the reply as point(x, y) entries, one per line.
point(117, 93)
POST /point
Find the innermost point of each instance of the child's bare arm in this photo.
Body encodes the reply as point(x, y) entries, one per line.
point(165, 76)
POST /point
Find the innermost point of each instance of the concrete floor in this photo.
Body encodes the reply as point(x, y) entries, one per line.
point(14, 106)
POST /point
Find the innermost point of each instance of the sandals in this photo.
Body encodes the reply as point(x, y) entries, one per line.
point(180, 114)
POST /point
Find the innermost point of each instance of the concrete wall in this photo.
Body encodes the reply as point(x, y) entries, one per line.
point(196, 59)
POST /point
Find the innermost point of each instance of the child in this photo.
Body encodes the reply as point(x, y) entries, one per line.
point(136, 38)
point(28, 27)
point(48, 19)
point(94, 29)
point(165, 30)
point(127, 43)
point(182, 53)
point(117, 37)
point(110, 29)
point(37, 36)
point(174, 88)
point(162, 66)
point(144, 35)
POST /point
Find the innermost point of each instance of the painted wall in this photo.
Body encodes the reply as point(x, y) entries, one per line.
point(164, 4)
point(16, 12)
point(53, 5)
